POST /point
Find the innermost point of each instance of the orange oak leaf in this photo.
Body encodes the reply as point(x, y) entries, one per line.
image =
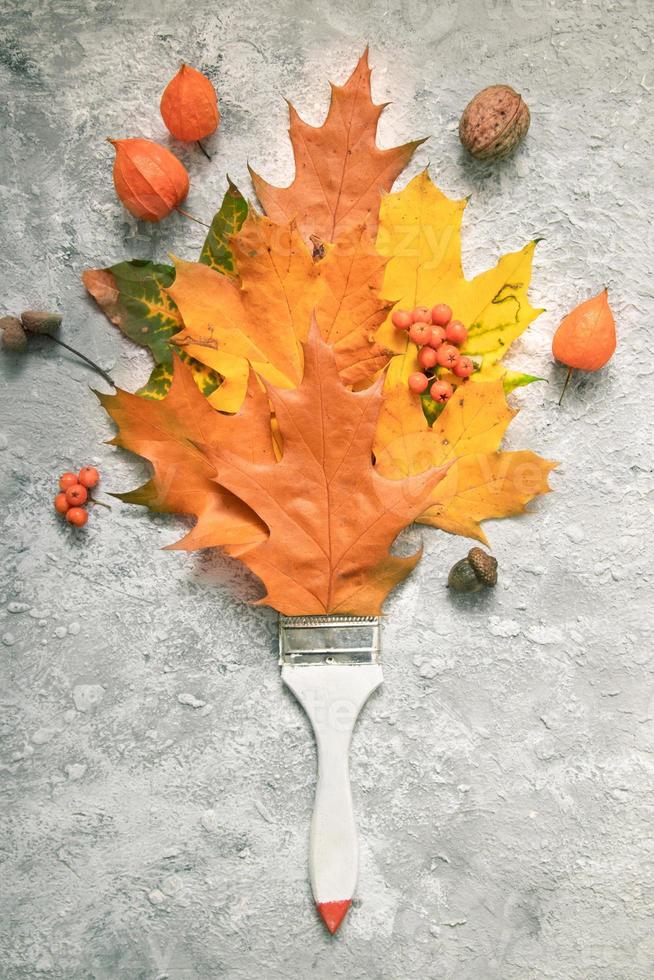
point(340, 173)
point(264, 316)
point(260, 319)
point(331, 516)
point(348, 307)
point(168, 433)
point(482, 483)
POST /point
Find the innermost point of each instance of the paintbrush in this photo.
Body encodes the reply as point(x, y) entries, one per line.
point(332, 666)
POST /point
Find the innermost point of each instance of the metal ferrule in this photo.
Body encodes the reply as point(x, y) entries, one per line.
point(351, 640)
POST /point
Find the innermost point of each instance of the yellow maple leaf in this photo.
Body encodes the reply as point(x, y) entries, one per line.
point(482, 483)
point(483, 486)
point(420, 234)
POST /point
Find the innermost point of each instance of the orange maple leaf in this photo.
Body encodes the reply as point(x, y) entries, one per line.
point(168, 434)
point(328, 544)
point(340, 173)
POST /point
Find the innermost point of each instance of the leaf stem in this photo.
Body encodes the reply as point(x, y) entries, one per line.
point(99, 503)
point(568, 376)
point(83, 357)
point(203, 149)
point(191, 218)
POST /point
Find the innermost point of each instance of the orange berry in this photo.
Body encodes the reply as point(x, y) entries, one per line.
point(437, 337)
point(463, 367)
point(418, 382)
point(427, 358)
point(61, 504)
point(447, 356)
point(456, 333)
point(77, 516)
point(402, 319)
point(76, 495)
point(421, 314)
point(441, 315)
point(441, 391)
point(88, 476)
point(67, 480)
point(420, 332)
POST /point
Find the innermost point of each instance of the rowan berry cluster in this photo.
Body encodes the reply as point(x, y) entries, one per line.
point(439, 337)
point(74, 493)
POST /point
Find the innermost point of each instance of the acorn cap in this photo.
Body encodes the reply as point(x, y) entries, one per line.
point(8, 321)
point(483, 565)
point(40, 321)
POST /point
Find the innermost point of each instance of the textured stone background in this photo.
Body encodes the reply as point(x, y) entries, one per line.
point(504, 774)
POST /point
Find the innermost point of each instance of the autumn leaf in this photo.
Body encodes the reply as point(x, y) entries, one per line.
point(473, 421)
point(263, 318)
point(133, 296)
point(483, 486)
point(331, 516)
point(258, 320)
point(161, 376)
point(216, 251)
point(168, 433)
point(340, 173)
point(482, 483)
point(348, 307)
point(420, 234)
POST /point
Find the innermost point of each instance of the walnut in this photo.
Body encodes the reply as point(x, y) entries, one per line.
point(494, 123)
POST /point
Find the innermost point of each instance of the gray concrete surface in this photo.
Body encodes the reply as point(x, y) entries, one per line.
point(504, 774)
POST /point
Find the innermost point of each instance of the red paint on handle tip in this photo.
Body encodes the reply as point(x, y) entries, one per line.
point(333, 913)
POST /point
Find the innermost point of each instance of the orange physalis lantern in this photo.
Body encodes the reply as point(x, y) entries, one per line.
point(189, 105)
point(149, 180)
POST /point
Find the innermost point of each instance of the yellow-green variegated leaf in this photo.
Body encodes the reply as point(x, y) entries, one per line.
point(217, 251)
point(160, 380)
point(133, 296)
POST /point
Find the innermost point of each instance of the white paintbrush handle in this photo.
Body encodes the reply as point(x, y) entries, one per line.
point(333, 697)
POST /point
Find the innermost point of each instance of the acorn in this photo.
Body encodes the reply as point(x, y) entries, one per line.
point(39, 321)
point(14, 337)
point(475, 572)
point(494, 123)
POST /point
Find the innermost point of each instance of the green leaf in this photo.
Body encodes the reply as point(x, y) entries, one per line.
point(431, 409)
point(159, 382)
point(216, 251)
point(132, 294)
point(514, 379)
